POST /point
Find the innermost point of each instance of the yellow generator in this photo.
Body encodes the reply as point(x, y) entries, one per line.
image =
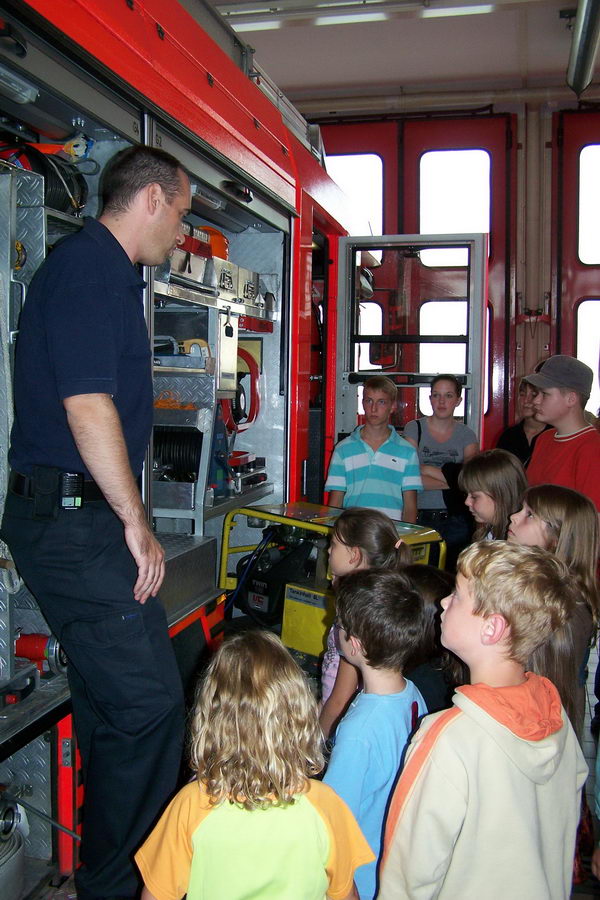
point(283, 579)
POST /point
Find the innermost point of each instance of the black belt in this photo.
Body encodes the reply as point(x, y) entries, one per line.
point(22, 485)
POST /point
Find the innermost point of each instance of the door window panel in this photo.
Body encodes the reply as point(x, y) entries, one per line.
point(360, 176)
point(454, 198)
point(589, 205)
point(588, 344)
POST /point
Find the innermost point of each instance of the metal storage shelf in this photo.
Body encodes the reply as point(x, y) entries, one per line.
point(239, 501)
point(23, 721)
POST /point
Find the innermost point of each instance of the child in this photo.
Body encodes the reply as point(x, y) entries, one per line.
point(254, 824)
point(374, 466)
point(488, 802)
point(381, 624)
point(433, 669)
point(564, 522)
point(439, 440)
point(567, 455)
point(494, 482)
point(360, 539)
point(520, 438)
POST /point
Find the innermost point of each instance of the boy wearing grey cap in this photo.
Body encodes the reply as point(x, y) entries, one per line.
point(569, 455)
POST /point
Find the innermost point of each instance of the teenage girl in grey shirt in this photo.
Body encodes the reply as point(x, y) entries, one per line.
point(440, 439)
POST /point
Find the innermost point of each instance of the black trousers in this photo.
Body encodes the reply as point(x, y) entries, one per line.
point(125, 685)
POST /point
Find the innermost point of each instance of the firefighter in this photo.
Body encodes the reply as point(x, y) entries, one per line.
point(74, 518)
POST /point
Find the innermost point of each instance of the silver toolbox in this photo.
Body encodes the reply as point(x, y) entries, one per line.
point(189, 265)
point(248, 287)
point(226, 277)
point(174, 494)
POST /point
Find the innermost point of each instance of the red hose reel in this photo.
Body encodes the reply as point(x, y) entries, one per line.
point(229, 418)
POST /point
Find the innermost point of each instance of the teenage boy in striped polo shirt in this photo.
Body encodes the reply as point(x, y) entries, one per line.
point(375, 467)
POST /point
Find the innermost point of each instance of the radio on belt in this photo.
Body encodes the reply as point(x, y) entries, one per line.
point(70, 490)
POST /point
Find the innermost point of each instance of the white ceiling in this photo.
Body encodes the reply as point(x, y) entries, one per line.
point(518, 45)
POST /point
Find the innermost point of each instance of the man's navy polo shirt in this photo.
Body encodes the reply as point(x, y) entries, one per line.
point(82, 331)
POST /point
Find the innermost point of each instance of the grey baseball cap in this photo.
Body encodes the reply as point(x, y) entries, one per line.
point(563, 372)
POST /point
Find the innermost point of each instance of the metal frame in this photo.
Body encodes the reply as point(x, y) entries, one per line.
point(474, 376)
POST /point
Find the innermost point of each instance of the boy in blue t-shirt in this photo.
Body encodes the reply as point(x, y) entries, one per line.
point(381, 625)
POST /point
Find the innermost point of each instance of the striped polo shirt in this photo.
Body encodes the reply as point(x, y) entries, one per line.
point(374, 478)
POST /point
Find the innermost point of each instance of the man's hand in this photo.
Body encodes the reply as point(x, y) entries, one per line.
point(150, 560)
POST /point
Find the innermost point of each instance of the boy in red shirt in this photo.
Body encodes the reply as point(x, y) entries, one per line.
point(569, 455)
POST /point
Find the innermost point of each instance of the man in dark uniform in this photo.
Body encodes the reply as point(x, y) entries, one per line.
point(83, 406)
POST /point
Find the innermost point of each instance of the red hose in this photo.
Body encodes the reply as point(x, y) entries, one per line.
point(254, 410)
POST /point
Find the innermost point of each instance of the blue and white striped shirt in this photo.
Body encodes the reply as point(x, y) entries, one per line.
point(374, 478)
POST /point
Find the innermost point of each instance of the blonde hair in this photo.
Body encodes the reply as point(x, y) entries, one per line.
point(382, 383)
point(255, 735)
point(529, 587)
point(501, 476)
point(572, 527)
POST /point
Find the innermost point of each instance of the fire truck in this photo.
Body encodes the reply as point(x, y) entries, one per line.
point(258, 325)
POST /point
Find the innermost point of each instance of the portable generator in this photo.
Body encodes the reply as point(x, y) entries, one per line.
point(283, 579)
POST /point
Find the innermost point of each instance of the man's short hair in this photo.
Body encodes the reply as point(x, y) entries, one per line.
point(133, 169)
point(566, 373)
point(382, 383)
point(531, 588)
point(383, 611)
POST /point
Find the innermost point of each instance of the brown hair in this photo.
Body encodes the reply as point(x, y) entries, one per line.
point(433, 585)
point(501, 476)
point(571, 522)
point(375, 536)
point(555, 659)
point(451, 378)
point(528, 586)
point(131, 170)
point(382, 610)
point(255, 735)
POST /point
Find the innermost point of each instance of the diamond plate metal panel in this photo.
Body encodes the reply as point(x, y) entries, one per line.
point(21, 218)
point(30, 768)
point(30, 188)
point(30, 621)
point(185, 418)
point(31, 231)
point(7, 661)
point(7, 208)
point(23, 599)
point(196, 389)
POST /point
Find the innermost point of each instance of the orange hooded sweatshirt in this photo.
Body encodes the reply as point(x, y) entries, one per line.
point(488, 802)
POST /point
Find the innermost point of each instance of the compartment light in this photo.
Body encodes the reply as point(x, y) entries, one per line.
point(440, 11)
point(16, 88)
point(351, 18)
point(207, 198)
point(270, 25)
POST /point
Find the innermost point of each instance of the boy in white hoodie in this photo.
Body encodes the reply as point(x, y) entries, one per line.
point(488, 802)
